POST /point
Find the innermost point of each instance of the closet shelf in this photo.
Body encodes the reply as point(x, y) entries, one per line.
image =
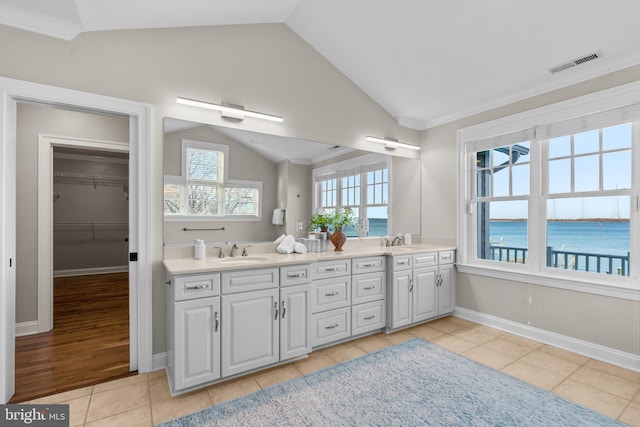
point(91, 223)
point(83, 178)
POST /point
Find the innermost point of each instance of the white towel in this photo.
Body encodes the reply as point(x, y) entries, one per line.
point(278, 217)
point(287, 244)
point(280, 239)
point(299, 248)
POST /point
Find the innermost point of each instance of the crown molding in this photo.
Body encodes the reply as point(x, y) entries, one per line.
point(38, 23)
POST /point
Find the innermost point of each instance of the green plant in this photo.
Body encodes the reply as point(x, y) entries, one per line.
point(320, 220)
point(344, 218)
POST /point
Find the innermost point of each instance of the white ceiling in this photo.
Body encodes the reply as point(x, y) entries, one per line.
point(424, 62)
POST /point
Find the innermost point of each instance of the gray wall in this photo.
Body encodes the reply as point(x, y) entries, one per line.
point(82, 247)
point(244, 164)
point(32, 120)
point(607, 321)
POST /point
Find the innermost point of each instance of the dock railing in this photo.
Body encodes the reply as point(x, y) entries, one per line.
point(584, 261)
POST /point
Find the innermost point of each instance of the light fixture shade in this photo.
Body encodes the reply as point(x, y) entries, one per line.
point(235, 111)
point(392, 143)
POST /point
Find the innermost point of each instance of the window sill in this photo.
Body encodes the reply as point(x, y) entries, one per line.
point(629, 291)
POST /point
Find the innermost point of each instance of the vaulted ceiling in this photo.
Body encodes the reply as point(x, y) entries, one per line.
point(424, 62)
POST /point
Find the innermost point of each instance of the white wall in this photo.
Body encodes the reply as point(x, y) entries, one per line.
point(606, 321)
point(264, 67)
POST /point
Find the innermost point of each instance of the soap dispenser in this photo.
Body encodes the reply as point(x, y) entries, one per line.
point(198, 249)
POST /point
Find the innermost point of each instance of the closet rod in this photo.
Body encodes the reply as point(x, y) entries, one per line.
point(91, 223)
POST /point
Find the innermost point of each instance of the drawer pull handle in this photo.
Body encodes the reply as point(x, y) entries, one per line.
point(294, 275)
point(195, 288)
point(370, 317)
point(331, 294)
point(332, 326)
point(368, 265)
point(284, 309)
point(275, 304)
point(403, 262)
point(368, 288)
point(329, 269)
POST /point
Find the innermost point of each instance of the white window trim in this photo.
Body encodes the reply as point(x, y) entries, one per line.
point(182, 180)
point(607, 285)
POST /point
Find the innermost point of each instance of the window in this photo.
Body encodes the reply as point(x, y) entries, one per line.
point(361, 184)
point(558, 199)
point(203, 190)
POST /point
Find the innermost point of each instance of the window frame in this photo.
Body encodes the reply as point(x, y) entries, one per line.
point(356, 166)
point(536, 272)
point(226, 183)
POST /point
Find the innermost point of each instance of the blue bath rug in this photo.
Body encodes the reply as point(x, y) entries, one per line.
point(415, 383)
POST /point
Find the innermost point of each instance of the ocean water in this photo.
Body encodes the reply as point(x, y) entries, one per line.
point(603, 238)
point(576, 236)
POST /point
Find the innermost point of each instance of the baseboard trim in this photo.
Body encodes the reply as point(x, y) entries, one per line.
point(90, 271)
point(159, 361)
point(595, 351)
point(26, 328)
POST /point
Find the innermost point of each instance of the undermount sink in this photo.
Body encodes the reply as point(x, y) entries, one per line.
point(241, 260)
point(400, 248)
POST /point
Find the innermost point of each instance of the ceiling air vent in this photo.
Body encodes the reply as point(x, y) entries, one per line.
point(574, 62)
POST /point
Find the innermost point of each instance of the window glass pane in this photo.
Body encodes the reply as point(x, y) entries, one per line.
point(502, 231)
point(204, 164)
point(500, 156)
point(616, 170)
point(501, 182)
point(483, 183)
point(587, 173)
point(520, 176)
point(173, 199)
point(378, 218)
point(241, 201)
point(586, 142)
point(521, 152)
point(589, 234)
point(560, 176)
point(616, 137)
point(353, 231)
point(560, 147)
point(202, 200)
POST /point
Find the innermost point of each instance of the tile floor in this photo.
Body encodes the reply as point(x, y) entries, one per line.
point(144, 400)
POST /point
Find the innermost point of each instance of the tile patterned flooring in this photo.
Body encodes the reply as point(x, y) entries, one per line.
point(144, 400)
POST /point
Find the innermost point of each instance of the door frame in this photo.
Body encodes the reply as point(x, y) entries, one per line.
point(46, 143)
point(140, 284)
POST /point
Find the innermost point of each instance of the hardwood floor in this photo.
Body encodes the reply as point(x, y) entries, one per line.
point(89, 343)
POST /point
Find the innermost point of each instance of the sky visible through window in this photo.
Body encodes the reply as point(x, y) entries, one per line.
point(608, 151)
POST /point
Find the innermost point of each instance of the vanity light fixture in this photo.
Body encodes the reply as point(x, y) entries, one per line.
point(232, 111)
point(392, 143)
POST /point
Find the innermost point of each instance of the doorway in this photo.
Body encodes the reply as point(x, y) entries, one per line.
point(140, 238)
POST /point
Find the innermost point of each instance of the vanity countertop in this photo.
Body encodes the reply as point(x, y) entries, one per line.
point(180, 266)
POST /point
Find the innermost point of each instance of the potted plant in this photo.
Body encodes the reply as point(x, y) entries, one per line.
point(321, 221)
point(343, 218)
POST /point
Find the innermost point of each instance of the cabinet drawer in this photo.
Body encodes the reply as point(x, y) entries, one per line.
point(446, 257)
point(367, 265)
point(331, 326)
point(367, 287)
point(330, 293)
point(401, 262)
point(295, 275)
point(428, 259)
point(196, 286)
point(249, 280)
point(367, 317)
point(336, 268)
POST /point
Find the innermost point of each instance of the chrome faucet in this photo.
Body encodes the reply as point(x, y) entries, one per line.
point(244, 250)
point(234, 250)
point(397, 241)
point(221, 253)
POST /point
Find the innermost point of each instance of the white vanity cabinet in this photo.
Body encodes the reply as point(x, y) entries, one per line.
point(193, 328)
point(263, 327)
point(422, 287)
point(368, 291)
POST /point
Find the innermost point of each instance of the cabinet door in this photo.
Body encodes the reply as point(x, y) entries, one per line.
point(250, 331)
point(424, 293)
point(295, 321)
point(401, 299)
point(446, 290)
point(197, 342)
